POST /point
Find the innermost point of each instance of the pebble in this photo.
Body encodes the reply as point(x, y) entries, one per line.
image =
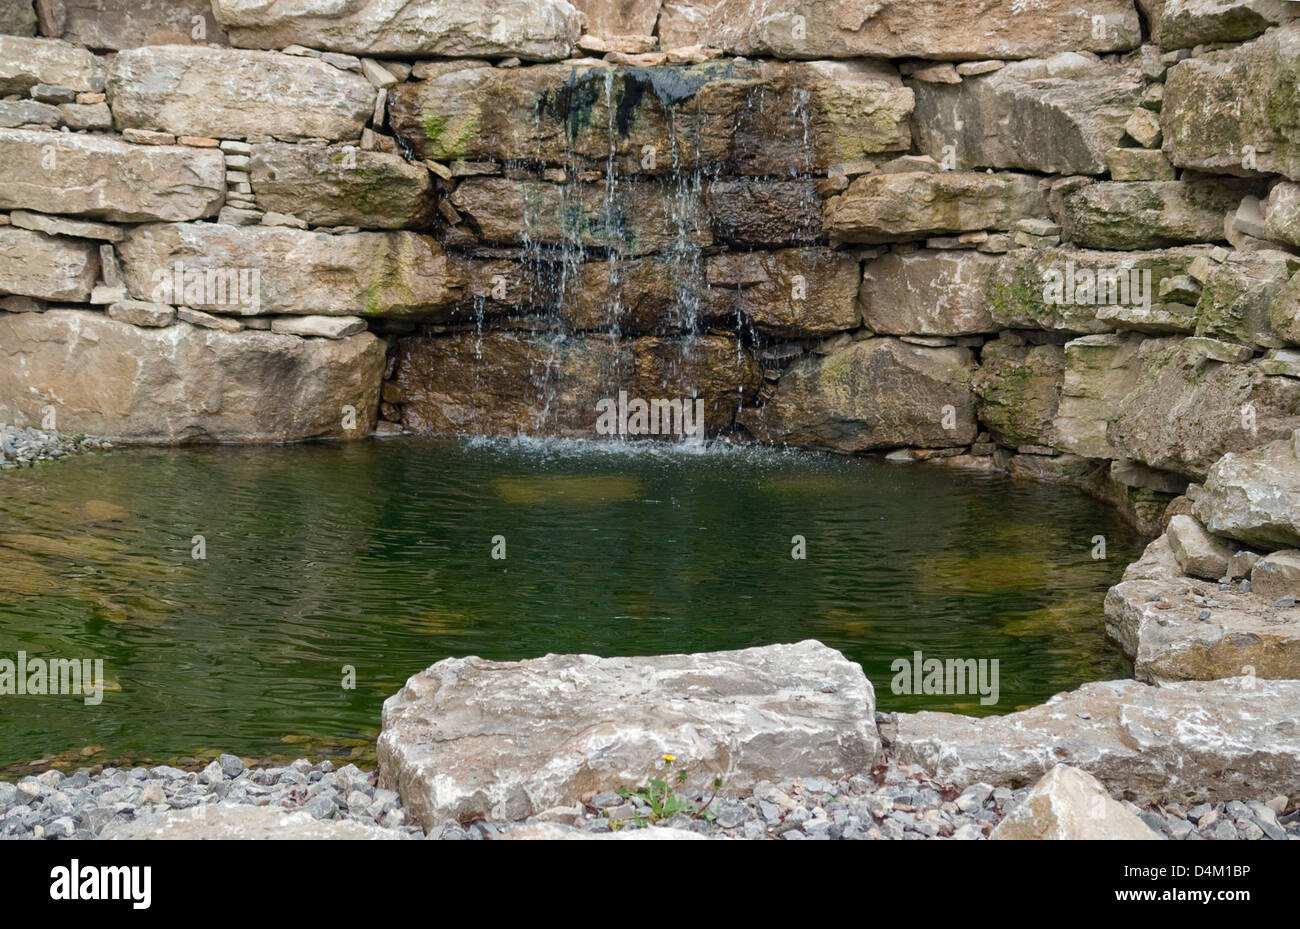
point(22, 448)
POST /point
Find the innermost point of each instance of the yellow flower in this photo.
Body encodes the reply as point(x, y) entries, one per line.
point(670, 757)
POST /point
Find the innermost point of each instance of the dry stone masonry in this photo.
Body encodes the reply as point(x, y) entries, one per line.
point(1056, 239)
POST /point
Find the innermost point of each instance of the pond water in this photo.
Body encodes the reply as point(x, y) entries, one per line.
point(378, 556)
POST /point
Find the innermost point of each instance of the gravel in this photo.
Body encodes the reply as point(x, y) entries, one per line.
point(22, 448)
point(905, 804)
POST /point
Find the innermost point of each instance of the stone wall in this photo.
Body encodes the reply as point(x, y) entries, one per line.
point(1059, 242)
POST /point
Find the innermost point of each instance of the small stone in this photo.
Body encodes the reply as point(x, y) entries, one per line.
point(148, 137)
point(327, 327)
point(46, 93)
point(231, 766)
point(140, 313)
point(210, 321)
point(198, 141)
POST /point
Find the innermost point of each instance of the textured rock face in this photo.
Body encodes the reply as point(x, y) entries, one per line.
point(509, 383)
point(1237, 111)
point(1282, 214)
point(243, 823)
point(752, 213)
point(785, 292)
point(1155, 616)
point(46, 267)
point(1100, 370)
point(103, 177)
point(470, 738)
point(898, 28)
point(1186, 411)
point(26, 62)
point(537, 30)
point(117, 24)
point(619, 17)
point(1188, 23)
point(1198, 553)
point(1085, 291)
point(17, 17)
point(1019, 390)
point(1071, 804)
point(292, 271)
point(645, 217)
point(929, 292)
point(754, 119)
point(883, 207)
point(1149, 214)
point(183, 384)
point(1277, 575)
point(341, 186)
point(1254, 496)
point(1184, 742)
point(230, 94)
point(1061, 115)
point(1238, 295)
point(877, 393)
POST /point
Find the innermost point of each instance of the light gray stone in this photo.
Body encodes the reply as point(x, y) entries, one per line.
point(227, 93)
point(102, 177)
point(1071, 804)
point(1254, 496)
point(325, 327)
point(509, 739)
point(26, 62)
point(46, 267)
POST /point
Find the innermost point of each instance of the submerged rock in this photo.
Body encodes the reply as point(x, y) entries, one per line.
point(469, 738)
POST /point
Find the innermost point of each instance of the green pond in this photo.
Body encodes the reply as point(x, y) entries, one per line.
point(379, 556)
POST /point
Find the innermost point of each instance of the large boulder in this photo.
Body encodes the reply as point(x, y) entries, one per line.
point(930, 292)
point(619, 17)
point(1186, 409)
point(1069, 804)
point(1019, 390)
point(1254, 496)
point(1237, 111)
point(104, 177)
point(341, 186)
point(283, 270)
point(873, 394)
point(1183, 742)
point(880, 208)
point(1188, 23)
point(470, 738)
point(537, 30)
point(519, 383)
point(644, 217)
point(899, 28)
point(1061, 115)
point(1149, 214)
point(752, 118)
point(118, 24)
point(182, 383)
point(1155, 614)
point(26, 62)
point(232, 94)
point(47, 267)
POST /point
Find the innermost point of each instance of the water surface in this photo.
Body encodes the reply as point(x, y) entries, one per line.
point(378, 556)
